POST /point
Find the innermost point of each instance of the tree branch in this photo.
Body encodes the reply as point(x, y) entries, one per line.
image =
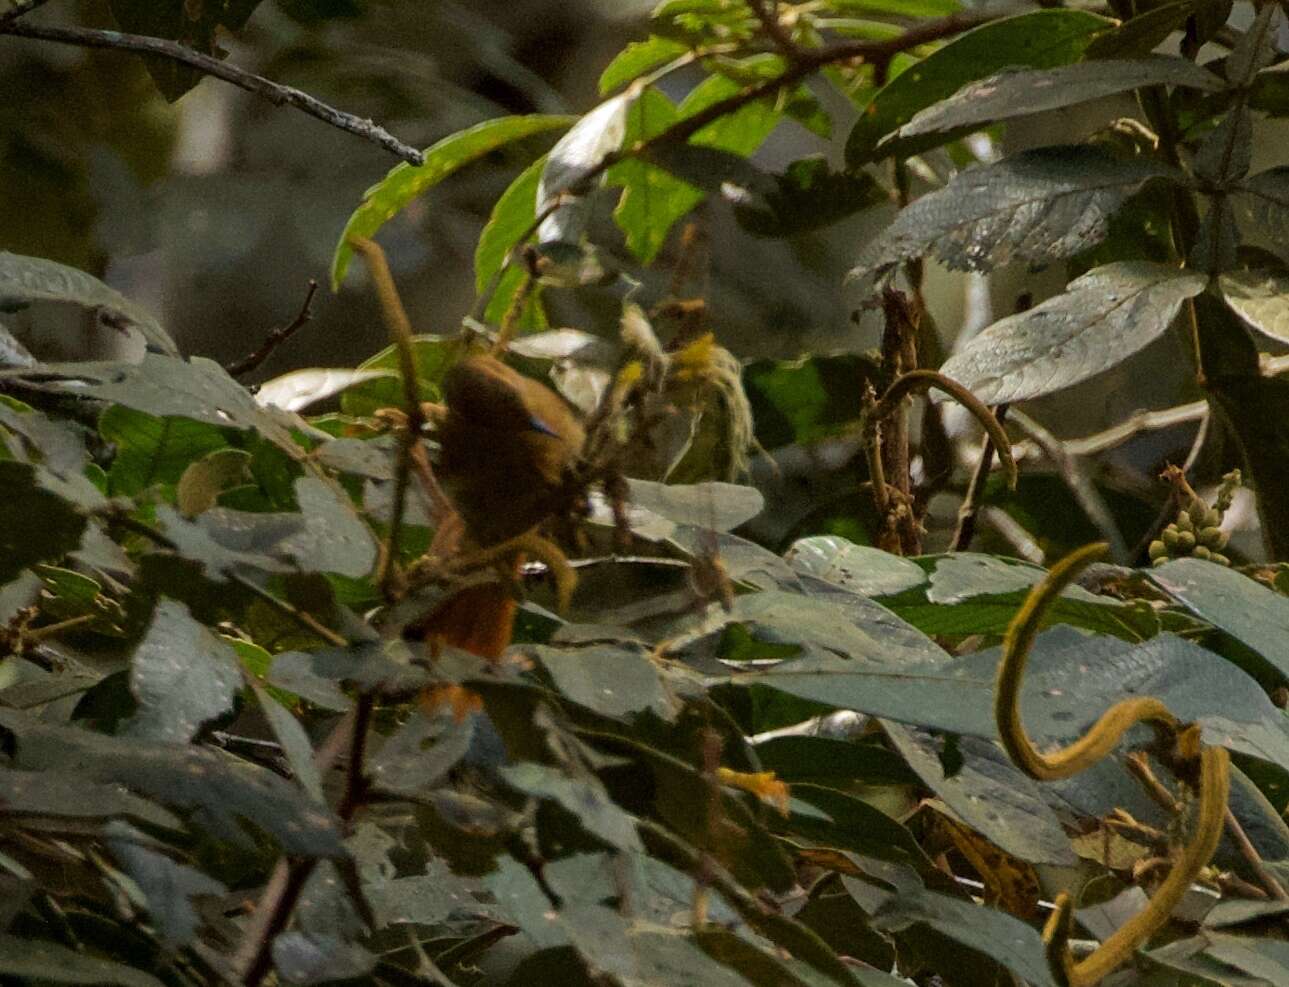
point(272, 91)
point(19, 8)
point(275, 338)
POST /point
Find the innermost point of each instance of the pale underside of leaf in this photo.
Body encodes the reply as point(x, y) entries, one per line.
point(1261, 299)
point(1037, 206)
point(1101, 319)
point(1011, 94)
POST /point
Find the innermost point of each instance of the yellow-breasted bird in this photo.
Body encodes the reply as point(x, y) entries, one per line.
point(507, 442)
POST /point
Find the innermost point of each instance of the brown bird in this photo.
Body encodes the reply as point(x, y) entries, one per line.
point(507, 442)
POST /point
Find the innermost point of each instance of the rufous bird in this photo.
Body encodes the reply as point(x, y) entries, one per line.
point(507, 443)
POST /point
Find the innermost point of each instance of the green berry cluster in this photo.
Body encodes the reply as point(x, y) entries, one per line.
point(1195, 533)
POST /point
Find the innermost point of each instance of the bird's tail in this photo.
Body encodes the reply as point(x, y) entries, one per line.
point(479, 619)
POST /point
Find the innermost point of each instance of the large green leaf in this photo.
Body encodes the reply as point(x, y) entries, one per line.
point(1040, 39)
point(1037, 206)
point(1000, 936)
point(182, 676)
point(1251, 613)
point(1266, 200)
point(1102, 318)
point(1020, 92)
point(654, 200)
point(36, 525)
point(41, 961)
point(24, 280)
point(221, 792)
point(384, 200)
point(151, 450)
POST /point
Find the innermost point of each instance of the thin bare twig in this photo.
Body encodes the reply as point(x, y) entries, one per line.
point(1253, 858)
point(274, 92)
point(19, 8)
point(277, 337)
point(970, 509)
point(1076, 479)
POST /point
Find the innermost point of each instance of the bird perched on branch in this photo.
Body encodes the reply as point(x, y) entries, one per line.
point(507, 444)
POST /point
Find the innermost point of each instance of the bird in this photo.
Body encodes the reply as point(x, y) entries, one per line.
point(507, 443)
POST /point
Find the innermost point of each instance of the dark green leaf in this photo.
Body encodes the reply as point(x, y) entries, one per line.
point(167, 885)
point(1102, 318)
point(1040, 39)
point(807, 197)
point(42, 961)
point(585, 798)
point(1266, 198)
point(219, 791)
point(35, 525)
point(192, 25)
point(1251, 613)
point(1037, 206)
point(1005, 939)
point(61, 796)
point(182, 676)
point(1142, 34)
point(153, 450)
point(613, 681)
point(433, 355)
point(988, 794)
point(1020, 92)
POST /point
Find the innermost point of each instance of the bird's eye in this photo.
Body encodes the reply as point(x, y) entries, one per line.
point(537, 424)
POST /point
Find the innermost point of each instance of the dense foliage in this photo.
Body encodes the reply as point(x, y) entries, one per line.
point(230, 755)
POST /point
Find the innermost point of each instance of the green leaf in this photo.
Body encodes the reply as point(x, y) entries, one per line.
point(1261, 299)
point(35, 524)
point(611, 680)
point(857, 568)
point(1265, 197)
point(512, 214)
point(1037, 206)
point(1000, 936)
point(1040, 39)
point(1102, 318)
point(167, 885)
point(1020, 92)
point(182, 675)
point(384, 200)
point(1265, 960)
point(60, 796)
point(808, 399)
point(652, 200)
point(636, 59)
point(1142, 34)
point(220, 792)
point(432, 356)
point(47, 962)
point(806, 197)
point(1251, 613)
point(24, 280)
point(151, 450)
point(585, 798)
point(192, 25)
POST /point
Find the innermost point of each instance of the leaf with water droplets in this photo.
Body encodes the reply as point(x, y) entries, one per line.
point(1102, 318)
point(1038, 206)
point(182, 676)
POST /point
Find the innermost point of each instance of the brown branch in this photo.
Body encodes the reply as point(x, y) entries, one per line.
point(773, 28)
point(1253, 858)
point(272, 91)
point(970, 509)
point(277, 337)
point(19, 8)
